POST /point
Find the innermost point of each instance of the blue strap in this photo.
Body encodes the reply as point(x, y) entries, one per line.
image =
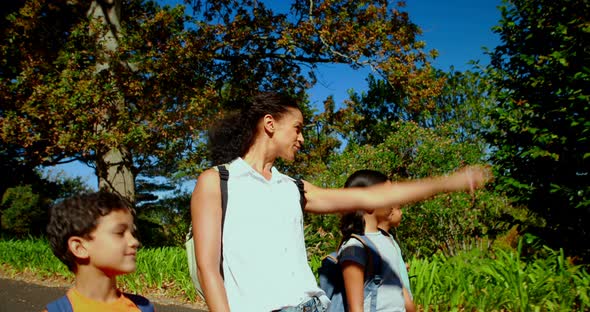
point(374, 263)
point(141, 302)
point(62, 304)
point(374, 268)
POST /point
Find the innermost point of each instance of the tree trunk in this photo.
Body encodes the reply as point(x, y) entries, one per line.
point(114, 167)
point(115, 174)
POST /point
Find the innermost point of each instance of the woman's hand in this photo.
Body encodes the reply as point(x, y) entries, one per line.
point(469, 178)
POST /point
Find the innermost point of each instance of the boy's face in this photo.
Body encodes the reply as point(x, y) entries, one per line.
point(112, 246)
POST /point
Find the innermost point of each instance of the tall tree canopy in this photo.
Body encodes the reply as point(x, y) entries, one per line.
point(542, 120)
point(69, 94)
point(463, 102)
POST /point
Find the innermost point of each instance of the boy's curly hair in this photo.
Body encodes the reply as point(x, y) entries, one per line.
point(78, 216)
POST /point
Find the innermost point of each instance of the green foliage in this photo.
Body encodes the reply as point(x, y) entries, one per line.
point(33, 255)
point(166, 221)
point(461, 104)
point(25, 207)
point(23, 211)
point(499, 279)
point(26, 194)
point(408, 152)
point(447, 221)
point(321, 234)
point(541, 124)
point(453, 222)
point(154, 91)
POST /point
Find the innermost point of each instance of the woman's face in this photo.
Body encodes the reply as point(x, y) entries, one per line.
point(288, 134)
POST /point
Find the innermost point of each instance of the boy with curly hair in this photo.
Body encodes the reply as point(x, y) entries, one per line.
point(94, 236)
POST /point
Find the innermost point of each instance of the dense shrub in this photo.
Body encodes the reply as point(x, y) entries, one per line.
point(23, 211)
point(445, 222)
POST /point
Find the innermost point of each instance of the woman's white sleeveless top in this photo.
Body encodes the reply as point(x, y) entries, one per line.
point(264, 257)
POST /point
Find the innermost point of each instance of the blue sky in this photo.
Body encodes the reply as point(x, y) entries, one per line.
point(458, 29)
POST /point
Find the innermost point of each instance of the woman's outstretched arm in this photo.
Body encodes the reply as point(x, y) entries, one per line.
point(385, 195)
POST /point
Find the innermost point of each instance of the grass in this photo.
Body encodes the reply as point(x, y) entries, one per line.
point(478, 280)
point(500, 280)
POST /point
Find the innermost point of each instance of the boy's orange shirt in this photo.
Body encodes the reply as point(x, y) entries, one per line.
point(81, 303)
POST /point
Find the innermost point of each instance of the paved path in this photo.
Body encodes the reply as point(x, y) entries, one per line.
point(19, 296)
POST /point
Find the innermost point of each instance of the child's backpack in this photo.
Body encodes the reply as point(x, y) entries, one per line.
point(63, 304)
point(189, 244)
point(332, 282)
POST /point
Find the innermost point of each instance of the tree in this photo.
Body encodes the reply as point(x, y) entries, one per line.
point(23, 211)
point(542, 125)
point(25, 195)
point(463, 102)
point(411, 152)
point(68, 96)
point(165, 222)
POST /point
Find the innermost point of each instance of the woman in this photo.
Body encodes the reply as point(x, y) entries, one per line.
point(262, 250)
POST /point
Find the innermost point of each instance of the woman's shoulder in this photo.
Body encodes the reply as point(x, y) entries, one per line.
point(209, 173)
point(208, 179)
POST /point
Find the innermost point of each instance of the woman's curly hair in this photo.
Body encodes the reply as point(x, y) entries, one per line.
point(232, 136)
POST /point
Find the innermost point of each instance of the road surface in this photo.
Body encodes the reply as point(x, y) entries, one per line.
point(20, 296)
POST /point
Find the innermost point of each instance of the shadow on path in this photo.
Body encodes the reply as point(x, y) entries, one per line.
point(19, 296)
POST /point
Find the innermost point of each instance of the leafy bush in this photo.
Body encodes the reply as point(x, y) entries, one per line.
point(445, 222)
point(165, 222)
point(498, 279)
point(23, 211)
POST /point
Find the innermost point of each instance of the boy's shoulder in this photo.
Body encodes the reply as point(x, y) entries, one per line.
point(73, 299)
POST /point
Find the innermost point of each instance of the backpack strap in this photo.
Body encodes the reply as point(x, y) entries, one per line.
point(223, 177)
point(141, 302)
point(61, 304)
point(374, 263)
point(302, 199)
point(374, 268)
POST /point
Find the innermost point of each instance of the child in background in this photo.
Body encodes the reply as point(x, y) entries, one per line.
point(94, 236)
point(394, 220)
point(393, 293)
